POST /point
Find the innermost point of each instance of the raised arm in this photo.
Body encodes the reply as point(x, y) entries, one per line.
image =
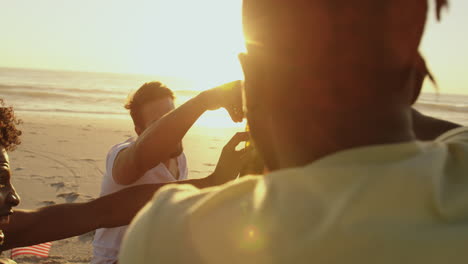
point(162, 137)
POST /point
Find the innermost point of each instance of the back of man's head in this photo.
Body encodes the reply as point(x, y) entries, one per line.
point(346, 47)
point(148, 92)
point(327, 75)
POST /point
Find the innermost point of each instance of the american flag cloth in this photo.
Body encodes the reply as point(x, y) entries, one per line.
point(41, 250)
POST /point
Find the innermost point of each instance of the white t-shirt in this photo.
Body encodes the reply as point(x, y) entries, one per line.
point(107, 240)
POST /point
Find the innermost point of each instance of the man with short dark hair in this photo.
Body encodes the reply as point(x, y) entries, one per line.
point(156, 155)
point(328, 91)
point(138, 102)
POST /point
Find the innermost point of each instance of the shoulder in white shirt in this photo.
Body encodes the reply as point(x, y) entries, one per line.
point(107, 240)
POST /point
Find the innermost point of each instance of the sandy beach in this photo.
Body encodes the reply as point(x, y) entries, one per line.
point(62, 159)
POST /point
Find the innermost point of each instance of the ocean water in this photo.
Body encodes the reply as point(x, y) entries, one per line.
point(104, 94)
point(453, 107)
point(78, 92)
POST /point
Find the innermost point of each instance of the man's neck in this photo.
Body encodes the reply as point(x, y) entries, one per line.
point(318, 135)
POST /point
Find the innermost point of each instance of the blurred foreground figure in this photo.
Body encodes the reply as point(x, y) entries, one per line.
point(329, 87)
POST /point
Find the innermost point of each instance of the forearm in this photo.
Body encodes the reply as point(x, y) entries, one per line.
point(119, 208)
point(67, 220)
point(48, 224)
point(429, 128)
point(162, 138)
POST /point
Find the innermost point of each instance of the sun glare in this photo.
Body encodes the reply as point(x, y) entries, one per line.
point(198, 40)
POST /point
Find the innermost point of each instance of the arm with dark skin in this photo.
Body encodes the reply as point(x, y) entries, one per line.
point(166, 133)
point(30, 227)
point(429, 128)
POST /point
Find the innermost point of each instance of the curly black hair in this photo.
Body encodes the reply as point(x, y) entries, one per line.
point(9, 134)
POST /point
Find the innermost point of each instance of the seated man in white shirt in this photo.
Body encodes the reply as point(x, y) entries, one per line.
point(155, 156)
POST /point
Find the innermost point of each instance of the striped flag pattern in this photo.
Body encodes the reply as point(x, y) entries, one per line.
point(41, 250)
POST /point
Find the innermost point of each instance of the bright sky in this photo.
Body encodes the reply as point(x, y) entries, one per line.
point(196, 39)
point(187, 38)
point(445, 47)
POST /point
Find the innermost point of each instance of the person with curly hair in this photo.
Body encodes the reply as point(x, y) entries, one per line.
point(9, 139)
point(9, 134)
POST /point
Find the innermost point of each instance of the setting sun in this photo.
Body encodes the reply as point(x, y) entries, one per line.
point(197, 40)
